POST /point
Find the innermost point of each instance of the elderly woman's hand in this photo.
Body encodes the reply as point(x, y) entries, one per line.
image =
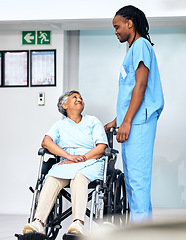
point(65, 162)
point(74, 159)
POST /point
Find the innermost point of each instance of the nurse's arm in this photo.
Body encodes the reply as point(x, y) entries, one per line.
point(96, 152)
point(51, 146)
point(141, 76)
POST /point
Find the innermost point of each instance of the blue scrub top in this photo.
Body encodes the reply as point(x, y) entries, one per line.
point(153, 101)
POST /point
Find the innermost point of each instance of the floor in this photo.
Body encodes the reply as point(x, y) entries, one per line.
point(11, 224)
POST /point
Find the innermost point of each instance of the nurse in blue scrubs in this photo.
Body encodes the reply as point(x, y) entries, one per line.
point(139, 105)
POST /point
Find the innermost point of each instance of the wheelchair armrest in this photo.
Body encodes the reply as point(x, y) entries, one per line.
point(43, 151)
point(109, 151)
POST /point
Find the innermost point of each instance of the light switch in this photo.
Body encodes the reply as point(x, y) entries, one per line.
point(41, 99)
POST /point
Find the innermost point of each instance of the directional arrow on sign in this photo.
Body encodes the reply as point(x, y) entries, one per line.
point(28, 37)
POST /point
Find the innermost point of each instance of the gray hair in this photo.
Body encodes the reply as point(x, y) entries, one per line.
point(63, 100)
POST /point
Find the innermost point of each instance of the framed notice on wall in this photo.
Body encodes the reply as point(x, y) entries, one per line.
point(15, 68)
point(43, 67)
point(0, 69)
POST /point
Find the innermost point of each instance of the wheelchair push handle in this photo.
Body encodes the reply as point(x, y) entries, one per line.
point(114, 130)
point(110, 134)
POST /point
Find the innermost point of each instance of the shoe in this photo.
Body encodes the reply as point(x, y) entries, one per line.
point(76, 227)
point(34, 226)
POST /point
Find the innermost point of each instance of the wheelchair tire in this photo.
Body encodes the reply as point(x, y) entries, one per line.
point(120, 201)
point(51, 229)
point(111, 191)
point(120, 196)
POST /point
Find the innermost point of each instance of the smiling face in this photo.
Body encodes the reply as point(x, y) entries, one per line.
point(123, 28)
point(74, 103)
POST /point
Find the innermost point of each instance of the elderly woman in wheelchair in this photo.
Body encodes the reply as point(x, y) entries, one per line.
point(80, 142)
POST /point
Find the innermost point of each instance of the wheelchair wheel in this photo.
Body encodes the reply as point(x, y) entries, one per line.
point(120, 201)
point(111, 193)
point(52, 229)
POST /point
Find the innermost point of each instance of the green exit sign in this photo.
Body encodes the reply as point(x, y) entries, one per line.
point(28, 37)
point(36, 37)
point(43, 37)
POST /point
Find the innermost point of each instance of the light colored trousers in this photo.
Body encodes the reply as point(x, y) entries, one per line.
point(52, 187)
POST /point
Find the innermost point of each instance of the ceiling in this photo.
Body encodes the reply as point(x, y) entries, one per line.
point(85, 24)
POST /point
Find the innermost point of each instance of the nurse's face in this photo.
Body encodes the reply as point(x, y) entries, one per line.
point(122, 28)
point(74, 102)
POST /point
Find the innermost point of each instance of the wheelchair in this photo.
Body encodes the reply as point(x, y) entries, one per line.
point(108, 196)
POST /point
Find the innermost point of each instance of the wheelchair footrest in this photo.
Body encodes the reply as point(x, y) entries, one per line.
point(31, 236)
point(70, 236)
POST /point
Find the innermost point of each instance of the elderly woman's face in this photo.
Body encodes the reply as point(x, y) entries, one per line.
point(74, 102)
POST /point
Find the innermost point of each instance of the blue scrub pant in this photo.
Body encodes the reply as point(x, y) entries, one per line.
point(137, 155)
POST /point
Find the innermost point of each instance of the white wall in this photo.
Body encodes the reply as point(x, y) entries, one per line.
point(101, 56)
point(84, 9)
point(169, 173)
point(22, 126)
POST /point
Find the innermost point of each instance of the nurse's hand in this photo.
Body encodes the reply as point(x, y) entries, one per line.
point(123, 132)
point(110, 125)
